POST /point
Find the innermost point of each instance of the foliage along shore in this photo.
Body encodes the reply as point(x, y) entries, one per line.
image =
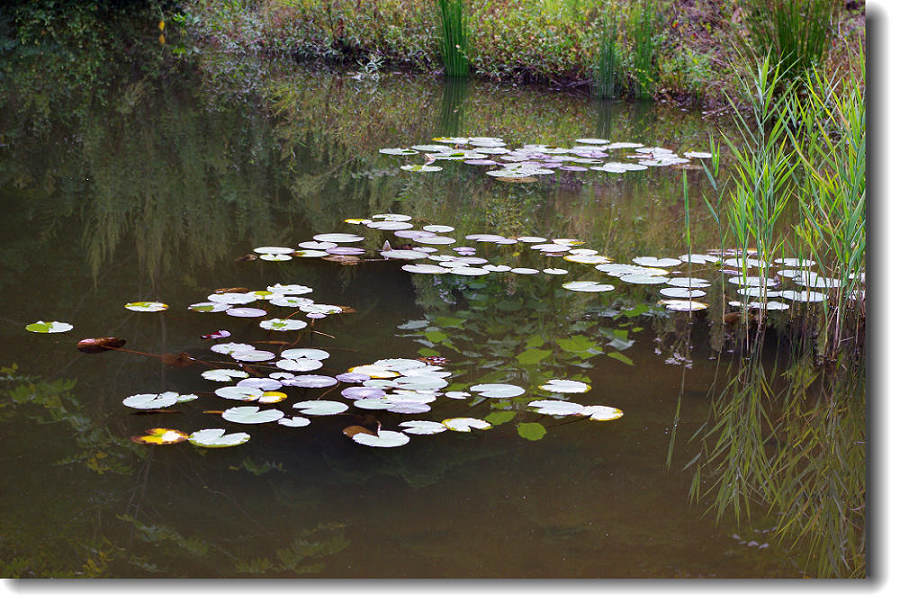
point(685, 52)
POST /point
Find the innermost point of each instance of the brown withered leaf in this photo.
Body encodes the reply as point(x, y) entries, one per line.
point(347, 309)
point(213, 411)
point(236, 289)
point(355, 430)
point(343, 259)
point(247, 257)
point(100, 344)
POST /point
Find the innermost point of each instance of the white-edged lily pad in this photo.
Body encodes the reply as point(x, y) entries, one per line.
point(558, 385)
point(146, 306)
point(311, 381)
point(457, 394)
point(803, 296)
point(657, 262)
point(233, 298)
point(299, 365)
point(465, 425)
point(316, 245)
point(688, 282)
point(682, 304)
point(263, 384)
point(555, 271)
point(373, 371)
point(253, 355)
point(48, 327)
point(338, 237)
point(321, 407)
point(438, 228)
point(229, 348)
point(682, 293)
point(497, 390)
point(294, 421)
point(223, 375)
point(399, 364)
point(398, 151)
point(282, 325)
point(587, 286)
point(555, 407)
point(305, 353)
point(251, 415)
point(423, 268)
point(217, 438)
point(151, 401)
point(601, 413)
point(273, 250)
point(245, 312)
point(381, 439)
point(239, 393)
point(422, 427)
point(424, 168)
point(311, 253)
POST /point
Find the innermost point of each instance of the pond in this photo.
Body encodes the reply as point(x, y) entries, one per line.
point(165, 185)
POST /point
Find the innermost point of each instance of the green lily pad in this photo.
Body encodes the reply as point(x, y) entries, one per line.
point(531, 430)
point(501, 417)
point(146, 306)
point(48, 327)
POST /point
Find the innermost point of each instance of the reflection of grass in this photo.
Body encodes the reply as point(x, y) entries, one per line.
point(793, 447)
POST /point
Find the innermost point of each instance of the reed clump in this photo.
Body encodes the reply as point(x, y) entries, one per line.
point(454, 42)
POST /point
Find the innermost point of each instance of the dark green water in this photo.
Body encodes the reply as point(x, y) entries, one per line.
point(149, 188)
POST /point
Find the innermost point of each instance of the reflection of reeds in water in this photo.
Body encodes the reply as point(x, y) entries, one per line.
point(451, 119)
point(793, 444)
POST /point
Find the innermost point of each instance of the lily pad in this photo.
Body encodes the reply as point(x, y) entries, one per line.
point(263, 384)
point(253, 355)
point(423, 168)
point(273, 250)
point(245, 312)
point(382, 439)
point(682, 304)
point(251, 415)
point(533, 431)
point(423, 268)
point(151, 401)
point(49, 327)
point(682, 293)
point(146, 306)
point(208, 307)
point(587, 286)
point(497, 390)
point(422, 427)
point(160, 436)
point(294, 421)
point(229, 348)
point(217, 438)
point(398, 151)
point(657, 262)
point(554, 407)
point(557, 385)
point(601, 413)
point(311, 381)
point(239, 393)
point(320, 407)
point(282, 325)
point(338, 237)
point(223, 375)
point(465, 425)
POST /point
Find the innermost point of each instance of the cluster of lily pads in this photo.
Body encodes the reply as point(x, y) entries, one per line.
point(530, 160)
point(394, 385)
point(435, 249)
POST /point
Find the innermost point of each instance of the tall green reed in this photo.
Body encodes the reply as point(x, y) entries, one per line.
point(830, 142)
point(645, 35)
point(795, 32)
point(454, 43)
point(607, 63)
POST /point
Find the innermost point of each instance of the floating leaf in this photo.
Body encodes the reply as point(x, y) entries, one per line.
point(48, 327)
point(501, 417)
point(601, 412)
point(497, 390)
point(271, 397)
point(229, 348)
point(273, 250)
point(682, 293)
point(422, 427)
point(555, 407)
point(99, 345)
point(208, 307)
point(465, 425)
point(282, 325)
point(251, 415)
point(160, 436)
point(151, 401)
point(382, 439)
point(565, 386)
point(320, 407)
point(398, 151)
point(239, 393)
point(294, 421)
point(531, 430)
point(425, 168)
point(682, 304)
point(252, 355)
point(299, 365)
point(217, 438)
point(533, 356)
point(622, 358)
point(587, 286)
point(146, 306)
point(311, 381)
point(223, 374)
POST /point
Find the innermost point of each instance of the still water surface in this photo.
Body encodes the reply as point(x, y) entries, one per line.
point(153, 192)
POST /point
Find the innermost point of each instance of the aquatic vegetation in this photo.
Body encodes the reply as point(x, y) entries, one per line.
point(455, 37)
point(160, 436)
point(48, 327)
